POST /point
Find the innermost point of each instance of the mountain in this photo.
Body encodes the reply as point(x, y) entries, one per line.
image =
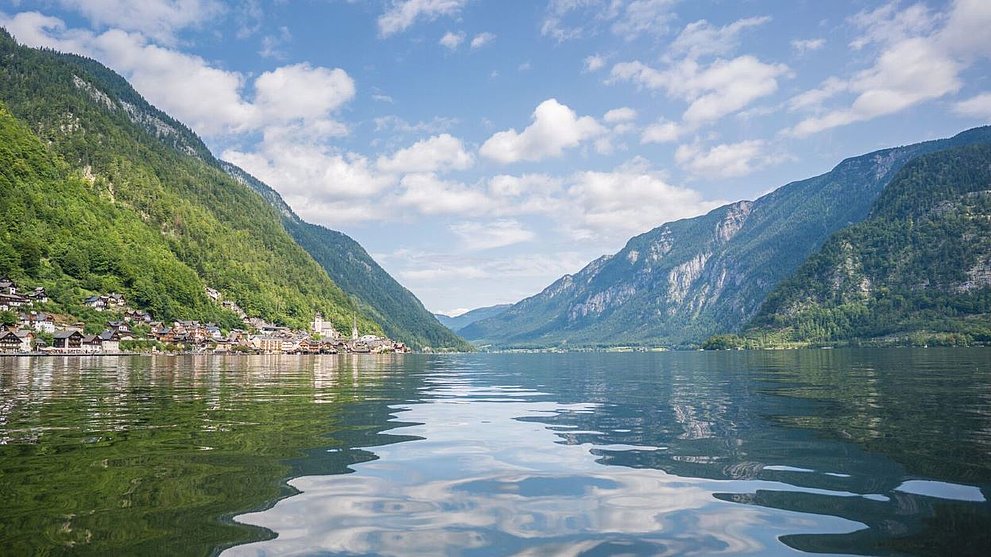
point(917, 269)
point(105, 192)
point(401, 315)
point(469, 317)
point(686, 280)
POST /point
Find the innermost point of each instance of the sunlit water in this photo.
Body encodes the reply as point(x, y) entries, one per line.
point(878, 452)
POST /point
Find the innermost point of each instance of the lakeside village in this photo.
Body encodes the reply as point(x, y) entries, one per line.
point(136, 331)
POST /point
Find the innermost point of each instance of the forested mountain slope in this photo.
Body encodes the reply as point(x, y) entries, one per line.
point(686, 280)
point(918, 266)
point(401, 315)
point(141, 168)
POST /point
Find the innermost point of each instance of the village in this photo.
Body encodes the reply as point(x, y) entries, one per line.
point(26, 330)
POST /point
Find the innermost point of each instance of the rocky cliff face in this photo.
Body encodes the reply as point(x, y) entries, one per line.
point(689, 279)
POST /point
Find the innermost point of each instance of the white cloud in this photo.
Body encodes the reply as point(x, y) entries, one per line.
point(593, 63)
point(907, 73)
point(429, 195)
point(662, 131)
point(477, 236)
point(620, 115)
point(813, 98)
point(160, 19)
point(404, 13)
point(571, 19)
point(452, 40)
point(889, 24)
point(978, 106)
point(438, 153)
point(555, 128)
point(723, 161)
point(482, 39)
point(212, 101)
point(629, 200)
point(920, 58)
point(804, 46)
point(965, 33)
point(312, 171)
point(700, 39)
point(640, 17)
point(302, 91)
point(713, 91)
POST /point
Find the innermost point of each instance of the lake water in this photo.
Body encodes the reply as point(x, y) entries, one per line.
point(867, 452)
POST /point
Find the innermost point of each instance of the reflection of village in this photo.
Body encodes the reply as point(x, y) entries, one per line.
point(132, 330)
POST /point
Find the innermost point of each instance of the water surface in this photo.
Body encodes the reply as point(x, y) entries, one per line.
point(866, 452)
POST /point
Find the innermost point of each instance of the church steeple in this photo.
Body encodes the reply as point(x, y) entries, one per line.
point(354, 327)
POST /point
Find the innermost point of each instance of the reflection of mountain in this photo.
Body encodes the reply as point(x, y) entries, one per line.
point(675, 453)
point(146, 455)
point(832, 433)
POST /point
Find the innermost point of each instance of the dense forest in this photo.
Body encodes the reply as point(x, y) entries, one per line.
point(141, 206)
point(916, 271)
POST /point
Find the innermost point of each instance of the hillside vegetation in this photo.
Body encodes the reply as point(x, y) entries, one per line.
point(149, 210)
point(918, 270)
point(378, 295)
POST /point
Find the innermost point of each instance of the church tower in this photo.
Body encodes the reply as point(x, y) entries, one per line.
point(354, 327)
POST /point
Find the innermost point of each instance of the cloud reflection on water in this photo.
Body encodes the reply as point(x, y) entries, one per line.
point(484, 479)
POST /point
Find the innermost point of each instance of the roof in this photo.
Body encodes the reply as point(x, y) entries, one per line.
point(66, 334)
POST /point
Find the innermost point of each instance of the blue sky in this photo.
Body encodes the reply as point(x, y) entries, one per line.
point(480, 149)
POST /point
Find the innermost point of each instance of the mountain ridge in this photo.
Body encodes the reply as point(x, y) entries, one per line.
point(144, 162)
point(689, 279)
point(456, 323)
point(917, 269)
point(401, 315)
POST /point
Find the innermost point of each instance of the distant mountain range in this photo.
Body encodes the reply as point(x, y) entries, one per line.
point(684, 281)
point(104, 192)
point(467, 318)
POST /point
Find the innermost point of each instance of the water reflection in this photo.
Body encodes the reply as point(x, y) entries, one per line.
point(842, 452)
point(772, 453)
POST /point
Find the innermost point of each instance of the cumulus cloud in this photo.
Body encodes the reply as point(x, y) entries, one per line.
point(921, 56)
point(438, 153)
point(302, 91)
point(662, 131)
point(212, 101)
point(160, 19)
point(555, 128)
point(628, 200)
point(482, 39)
point(404, 13)
point(478, 236)
point(430, 195)
point(723, 161)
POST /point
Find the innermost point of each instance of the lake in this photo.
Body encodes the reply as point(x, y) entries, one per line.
point(866, 452)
